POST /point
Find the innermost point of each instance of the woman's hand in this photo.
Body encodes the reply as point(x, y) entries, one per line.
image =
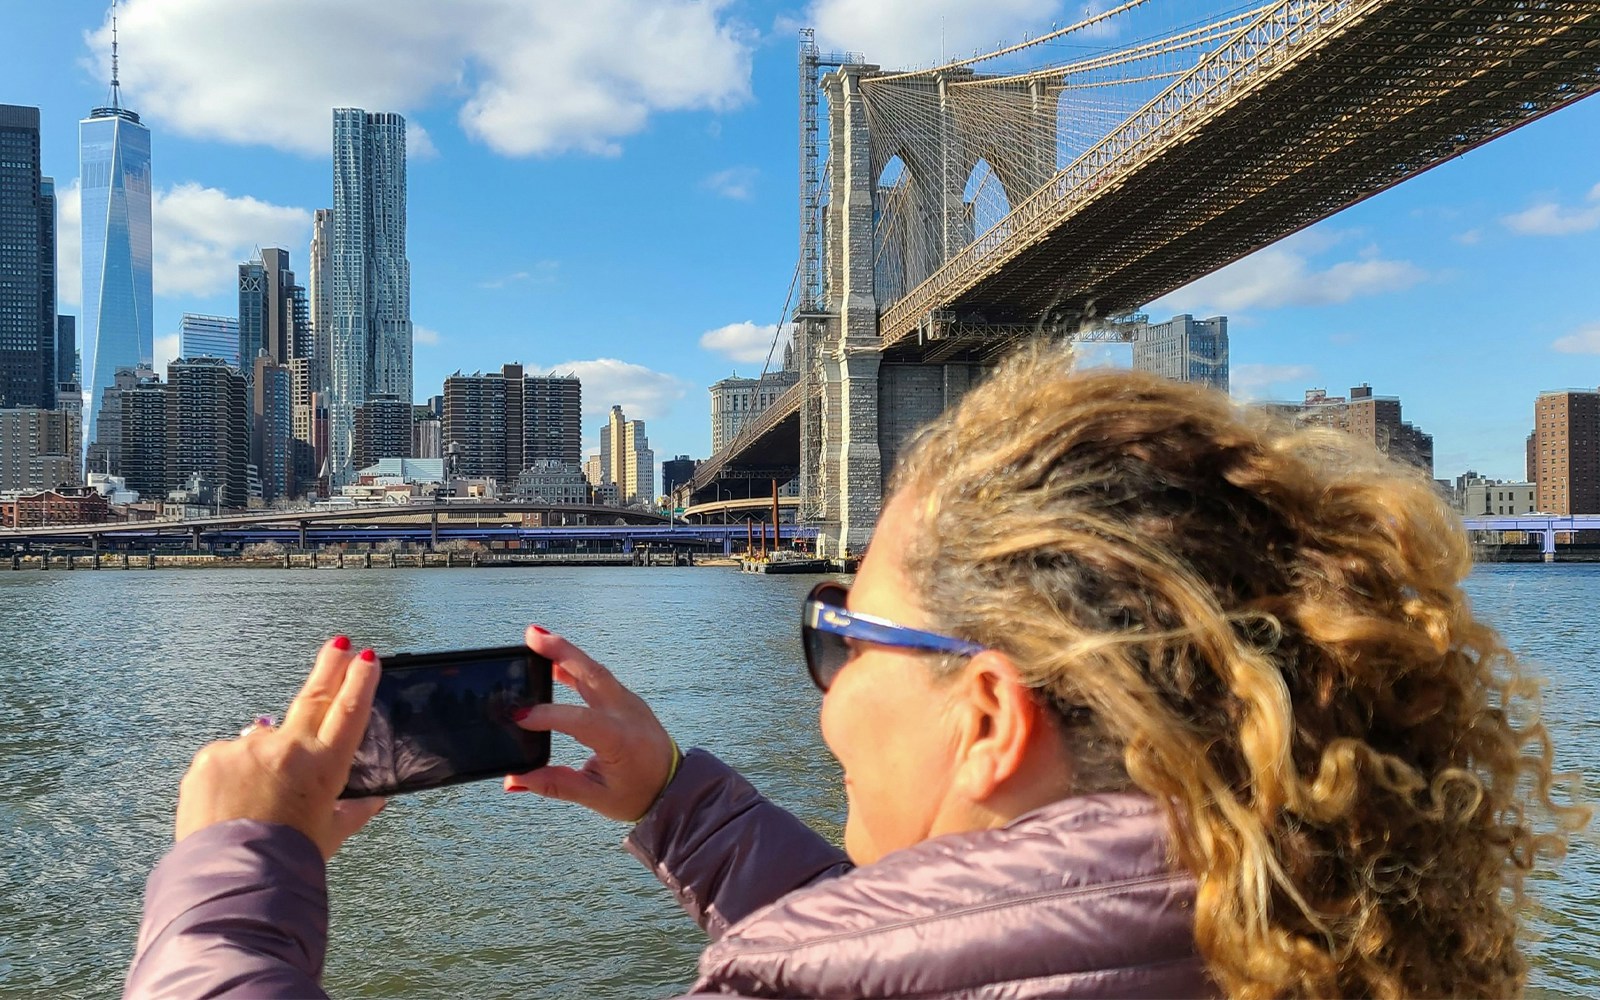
point(293, 774)
point(633, 755)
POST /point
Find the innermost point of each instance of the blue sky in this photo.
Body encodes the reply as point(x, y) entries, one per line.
point(610, 188)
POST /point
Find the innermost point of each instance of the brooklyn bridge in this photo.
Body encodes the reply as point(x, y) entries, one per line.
point(949, 213)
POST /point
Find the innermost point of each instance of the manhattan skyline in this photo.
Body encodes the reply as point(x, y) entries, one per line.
point(636, 224)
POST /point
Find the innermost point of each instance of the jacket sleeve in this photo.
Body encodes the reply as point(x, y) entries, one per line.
point(240, 909)
point(723, 849)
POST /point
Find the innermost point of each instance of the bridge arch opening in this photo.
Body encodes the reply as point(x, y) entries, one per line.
point(986, 203)
point(892, 223)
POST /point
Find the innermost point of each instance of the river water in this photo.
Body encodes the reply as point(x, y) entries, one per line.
point(109, 681)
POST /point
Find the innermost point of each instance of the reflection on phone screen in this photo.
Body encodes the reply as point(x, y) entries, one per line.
point(433, 724)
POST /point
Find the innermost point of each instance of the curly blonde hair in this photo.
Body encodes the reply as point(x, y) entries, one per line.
point(1266, 622)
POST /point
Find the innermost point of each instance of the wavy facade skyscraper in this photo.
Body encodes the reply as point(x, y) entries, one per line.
point(370, 349)
point(114, 173)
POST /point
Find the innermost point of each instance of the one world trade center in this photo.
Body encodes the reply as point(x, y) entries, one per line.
point(114, 173)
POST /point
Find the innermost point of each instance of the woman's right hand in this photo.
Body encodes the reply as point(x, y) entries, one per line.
point(633, 755)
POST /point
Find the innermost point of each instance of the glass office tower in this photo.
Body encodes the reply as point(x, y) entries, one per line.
point(115, 329)
point(27, 265)
point(370, 348)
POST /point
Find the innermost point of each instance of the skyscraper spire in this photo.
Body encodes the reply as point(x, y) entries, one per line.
point(116, 85)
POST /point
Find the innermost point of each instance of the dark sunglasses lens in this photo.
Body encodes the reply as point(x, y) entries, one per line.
point(823, 656)
point(826, 653)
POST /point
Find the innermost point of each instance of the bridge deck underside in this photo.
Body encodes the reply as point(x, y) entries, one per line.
point(1403, 89)
point(769, 446)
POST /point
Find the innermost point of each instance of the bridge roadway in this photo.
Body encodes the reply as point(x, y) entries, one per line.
point(1547, 526)
point(1319, 105)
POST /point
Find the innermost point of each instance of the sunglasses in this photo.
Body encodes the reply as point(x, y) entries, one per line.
point(825, 625)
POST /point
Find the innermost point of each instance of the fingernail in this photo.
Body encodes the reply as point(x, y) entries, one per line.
point(521, 713)
point(517, 788)
point(541, 630)
point(341, 642)
point(368, 655)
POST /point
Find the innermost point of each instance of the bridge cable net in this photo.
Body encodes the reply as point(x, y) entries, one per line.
point(955, 149)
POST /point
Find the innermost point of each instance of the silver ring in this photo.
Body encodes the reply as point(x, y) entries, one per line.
point(261, 722)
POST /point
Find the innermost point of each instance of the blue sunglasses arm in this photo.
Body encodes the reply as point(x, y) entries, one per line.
point(838, 621)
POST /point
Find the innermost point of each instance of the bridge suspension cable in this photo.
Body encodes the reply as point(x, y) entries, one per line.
point(954, 151)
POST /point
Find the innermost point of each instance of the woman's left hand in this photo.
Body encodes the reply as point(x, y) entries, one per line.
point(293, 773)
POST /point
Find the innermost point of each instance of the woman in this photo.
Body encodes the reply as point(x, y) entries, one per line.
point(1136, 693)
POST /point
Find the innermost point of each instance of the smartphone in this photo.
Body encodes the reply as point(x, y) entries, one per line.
point(444, 718)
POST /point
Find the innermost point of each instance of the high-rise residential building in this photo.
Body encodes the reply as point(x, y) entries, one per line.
point(370, 350)
point(208, 429)
point(143, 433)
point(28, 376)
point(67, 353)
point(627, 460)
point(737, 401)
point(320, 285)
point(114, 330)
point(209, 337)
point(383, 430)
point(308, 442)
point(1376, 419)
point(104, 453)
point(503, 422)
point(427, 433)
point(675, 472)
point(272, 428)
point(1185, 349)
point(39, 448)
point(1566, 451)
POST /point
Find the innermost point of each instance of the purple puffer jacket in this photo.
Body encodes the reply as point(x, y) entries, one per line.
point(1074, 899)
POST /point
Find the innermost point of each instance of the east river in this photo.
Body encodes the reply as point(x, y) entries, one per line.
point(110, 680)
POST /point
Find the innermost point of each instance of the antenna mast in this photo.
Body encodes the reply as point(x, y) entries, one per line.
point(116, 86)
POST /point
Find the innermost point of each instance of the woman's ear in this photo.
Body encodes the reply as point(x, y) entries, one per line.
point(1006, 744)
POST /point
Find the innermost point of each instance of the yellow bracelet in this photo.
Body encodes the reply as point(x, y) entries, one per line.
point(672, 772)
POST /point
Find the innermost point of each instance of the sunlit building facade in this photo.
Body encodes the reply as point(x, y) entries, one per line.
point(115, 327)
point(370, 349)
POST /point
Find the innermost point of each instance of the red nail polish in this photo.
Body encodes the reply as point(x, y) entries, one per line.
point(521, 713)
point(368, 655)
point(517, 788)
point(341, 642)
point(541, 630)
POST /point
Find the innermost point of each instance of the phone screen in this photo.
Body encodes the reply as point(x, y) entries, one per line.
point(443, 718)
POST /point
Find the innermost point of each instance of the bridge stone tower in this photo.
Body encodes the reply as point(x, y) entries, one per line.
point(859, 408)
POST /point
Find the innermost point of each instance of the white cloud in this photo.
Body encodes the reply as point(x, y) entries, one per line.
point(1470, 238)
point(737, 183)
point(1549, 218)
point(746, 342)
point(1585, 340)
point(69, 245)
point(544, 272)
point(1269, 381)
point(907, 34)
point(643, 393)
point(425, 335)
point(200, 237)
point(1283, 275)
point(541, 77)
point(166, 351)
point(202, 234)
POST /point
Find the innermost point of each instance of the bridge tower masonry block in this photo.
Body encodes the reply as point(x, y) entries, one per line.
point(851, 467)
